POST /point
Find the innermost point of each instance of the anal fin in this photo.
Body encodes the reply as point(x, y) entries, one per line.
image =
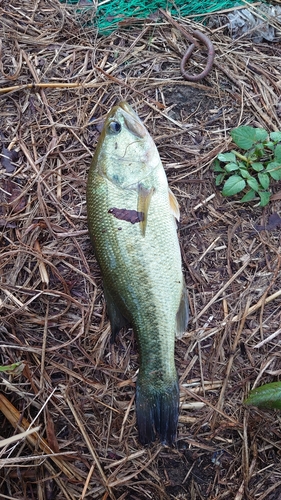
point(116, 318)
point(182, 314)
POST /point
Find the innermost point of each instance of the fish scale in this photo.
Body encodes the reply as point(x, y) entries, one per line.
point(139, 256)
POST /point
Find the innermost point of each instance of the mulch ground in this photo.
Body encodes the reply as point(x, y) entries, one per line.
point(57, 82)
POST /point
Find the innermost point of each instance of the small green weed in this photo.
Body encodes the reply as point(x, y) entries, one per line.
point(252, 171)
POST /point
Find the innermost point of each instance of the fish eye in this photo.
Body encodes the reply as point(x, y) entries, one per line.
point(114, 127)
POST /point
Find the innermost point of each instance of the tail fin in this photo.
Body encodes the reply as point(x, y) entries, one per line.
point(157, 411)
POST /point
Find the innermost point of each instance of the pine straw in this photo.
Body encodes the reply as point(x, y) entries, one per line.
point(70, 380)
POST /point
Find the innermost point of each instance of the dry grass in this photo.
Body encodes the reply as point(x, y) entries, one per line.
point(70, 381)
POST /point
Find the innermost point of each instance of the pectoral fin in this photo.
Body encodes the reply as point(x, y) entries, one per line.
point(116, 318)
point(174, 206)
point(144, 198)
point(182, 314)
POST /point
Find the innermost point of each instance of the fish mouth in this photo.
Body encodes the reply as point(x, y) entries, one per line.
point(131, 119)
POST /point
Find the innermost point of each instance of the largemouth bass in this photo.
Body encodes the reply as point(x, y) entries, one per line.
point(131, 220)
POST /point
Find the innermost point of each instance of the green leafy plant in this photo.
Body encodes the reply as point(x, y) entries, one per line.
point(250, 171)
point(266, 396)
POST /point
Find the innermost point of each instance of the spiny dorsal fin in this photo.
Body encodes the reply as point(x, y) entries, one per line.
point(174, 206)
point(144, 198)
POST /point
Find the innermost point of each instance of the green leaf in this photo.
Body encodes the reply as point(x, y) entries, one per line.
point(242, 165)
point(276, 174)
point(253, 183)
point(219, 179)
point(272, 165)
point(10, 368)
point(245, 173)
point(259, 149)
point(233, 185)
point(270, 145)
point(277, 153)
point(266, 396)
point(227, 157)
point(231, 166)
point(264, 179)
point(275, 136)
point(274, 169)
point(265, 197)
point(244, 136)
point(261, 134)
point(217, 167)
point(257, 166)
point(248, 196)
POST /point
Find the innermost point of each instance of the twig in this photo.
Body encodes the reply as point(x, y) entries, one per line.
point(233, 278)
point(34, 439)
point(268, 339)
point(231, 359)
point(90, 447)
point(257, 306)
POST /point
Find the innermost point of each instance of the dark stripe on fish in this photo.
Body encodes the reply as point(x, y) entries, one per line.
point(128, 215)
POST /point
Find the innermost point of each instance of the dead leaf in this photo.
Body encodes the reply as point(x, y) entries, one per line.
point(7, 159)
point(275, 196)
point(10, 197)
point(51, 435)
point(274, 222)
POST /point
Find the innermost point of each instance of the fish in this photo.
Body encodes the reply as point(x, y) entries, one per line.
point(131, 214)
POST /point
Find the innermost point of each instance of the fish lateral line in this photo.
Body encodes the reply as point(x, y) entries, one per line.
point(132, 216)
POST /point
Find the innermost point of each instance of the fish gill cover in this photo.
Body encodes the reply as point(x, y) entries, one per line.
point(111, 12)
